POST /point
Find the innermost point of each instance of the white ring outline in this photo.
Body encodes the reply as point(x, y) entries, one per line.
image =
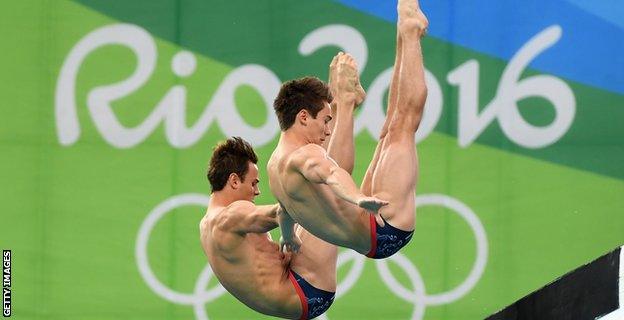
point(419, 297)
point(199, 297)
point(482, 247)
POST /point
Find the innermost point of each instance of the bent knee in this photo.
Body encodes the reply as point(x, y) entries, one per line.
point(401, 133)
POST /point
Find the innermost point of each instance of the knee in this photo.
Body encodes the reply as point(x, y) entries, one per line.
point(405, 124)
point(402, 132)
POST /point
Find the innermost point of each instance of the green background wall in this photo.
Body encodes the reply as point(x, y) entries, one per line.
point(110, 111)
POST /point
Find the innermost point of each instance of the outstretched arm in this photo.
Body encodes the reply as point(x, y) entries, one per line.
point(245, 217)
point(314, 164)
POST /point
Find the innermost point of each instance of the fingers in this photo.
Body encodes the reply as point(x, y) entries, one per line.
point(380, 202)
point(292, 247)
point(379, 220)
point(372, 204)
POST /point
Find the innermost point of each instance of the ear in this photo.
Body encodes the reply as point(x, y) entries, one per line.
point(234, 181)
point(303, 116)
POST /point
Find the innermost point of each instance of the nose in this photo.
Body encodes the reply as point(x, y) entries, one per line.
point(257, 191)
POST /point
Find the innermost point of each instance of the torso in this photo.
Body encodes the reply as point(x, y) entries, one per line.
point(250, 267)
point(314, 206)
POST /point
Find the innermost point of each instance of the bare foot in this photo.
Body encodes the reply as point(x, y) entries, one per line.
point(344, 82)
point(411, 18)
point(360, 94)
point(333, 72)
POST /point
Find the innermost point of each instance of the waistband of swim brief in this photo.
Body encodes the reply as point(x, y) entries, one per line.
point(302, 297)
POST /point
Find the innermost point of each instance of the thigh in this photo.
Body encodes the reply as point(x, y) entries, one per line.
point(367, 183)
point(316, 261)
point(395, 180)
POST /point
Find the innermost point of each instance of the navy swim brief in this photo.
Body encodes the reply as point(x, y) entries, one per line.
point(386, 240)
point(314, 302)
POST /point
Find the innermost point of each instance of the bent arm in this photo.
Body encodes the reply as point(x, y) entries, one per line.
point(287, 224)
point(289, 241)
point(245, 217)
point(317, 167)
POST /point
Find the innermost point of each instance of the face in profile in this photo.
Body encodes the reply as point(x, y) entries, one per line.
point(319, 126)
point(248, 187)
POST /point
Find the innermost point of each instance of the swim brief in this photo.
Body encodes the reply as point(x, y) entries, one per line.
point(386, 240)
point(314, 302)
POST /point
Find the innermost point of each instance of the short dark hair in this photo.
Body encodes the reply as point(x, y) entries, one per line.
point(309, 93)
point(229, 156)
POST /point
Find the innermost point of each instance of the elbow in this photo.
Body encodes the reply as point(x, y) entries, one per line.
point(273, 225)
point(332, 177)
point(269, 225)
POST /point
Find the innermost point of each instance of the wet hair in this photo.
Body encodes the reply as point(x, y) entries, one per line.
point(309, 93)
point(229, 156)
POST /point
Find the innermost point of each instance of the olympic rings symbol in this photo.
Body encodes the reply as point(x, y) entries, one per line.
point(200, 296)
point(417, 296)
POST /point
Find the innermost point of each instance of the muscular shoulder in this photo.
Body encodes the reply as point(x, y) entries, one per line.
point(310, 151)
point(240, 206)
point(230, 215)
point(218, 235)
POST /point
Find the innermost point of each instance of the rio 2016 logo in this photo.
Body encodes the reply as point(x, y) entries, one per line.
point(222, 110)
point(171, 109)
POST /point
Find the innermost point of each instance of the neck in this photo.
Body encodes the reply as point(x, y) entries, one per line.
point(221, 198)
point(295, 136)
